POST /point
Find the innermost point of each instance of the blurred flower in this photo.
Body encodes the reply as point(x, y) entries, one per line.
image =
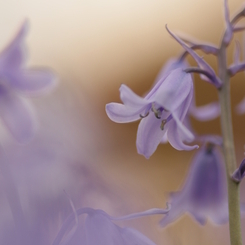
point(99, 228)
point(206, 112)
point(17, 80)
point(204, 194)
point(162, 111)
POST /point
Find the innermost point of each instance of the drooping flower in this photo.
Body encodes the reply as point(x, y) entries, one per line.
point(162, 112)
point(202, 113)
point(99, 228)
point(16, 81)
point(204, 194)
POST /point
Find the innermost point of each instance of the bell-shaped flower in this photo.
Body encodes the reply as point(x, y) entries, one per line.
point(202, 113)
point(204, 194)
point(100, 230)
point(162, 112)
point(17, 80)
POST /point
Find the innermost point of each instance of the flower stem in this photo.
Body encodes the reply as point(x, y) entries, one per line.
point(229, 150)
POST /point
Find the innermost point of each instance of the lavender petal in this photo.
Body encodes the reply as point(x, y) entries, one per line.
point(205, 113)
point(149, 135)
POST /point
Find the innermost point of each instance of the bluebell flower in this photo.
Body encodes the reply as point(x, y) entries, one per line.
point(202, 113)
point(100, 230)
point(16, 82)
point(162, 112)
point(204, 194)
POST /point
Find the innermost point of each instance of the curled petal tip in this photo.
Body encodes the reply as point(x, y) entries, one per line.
point(212, 78)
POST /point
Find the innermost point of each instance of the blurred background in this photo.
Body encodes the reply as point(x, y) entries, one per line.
point(94, 47)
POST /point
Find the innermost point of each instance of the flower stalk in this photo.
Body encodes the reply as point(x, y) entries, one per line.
point(229, 149)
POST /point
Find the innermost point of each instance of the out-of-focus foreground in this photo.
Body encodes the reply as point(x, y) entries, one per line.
point(94, 47)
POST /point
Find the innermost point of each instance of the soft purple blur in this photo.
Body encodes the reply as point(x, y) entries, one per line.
point(204, 194)
point(93, 48)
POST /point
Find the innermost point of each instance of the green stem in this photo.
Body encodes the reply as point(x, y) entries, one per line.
point(229, 150)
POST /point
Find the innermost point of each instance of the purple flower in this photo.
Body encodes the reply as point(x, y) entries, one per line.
point(204, 194)
point(162, 112)
point(18, 80)
point(99, 228)
point(205, 112)
point(202, 113)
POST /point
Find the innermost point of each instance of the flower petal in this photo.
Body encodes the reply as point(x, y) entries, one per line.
point(147, 212)
point(17, 115)
point(184, 131)
point(204, 194)
point(134, 237)
point(100, 230)
point(149, 135)
point(33, 81)
point(239, 173)
point(122, 114)
point(177, 133)
point(129, 98)
point(171, 65)
point(240, 108)
point(200, 218)
point(174, 90)
point(207, 186)
point(201, 63)
point(164, 139)
point(219, 215)
point(233, 69)
point(14, 55)
point(206, 112)
point(176, 138)
point(178, 208)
